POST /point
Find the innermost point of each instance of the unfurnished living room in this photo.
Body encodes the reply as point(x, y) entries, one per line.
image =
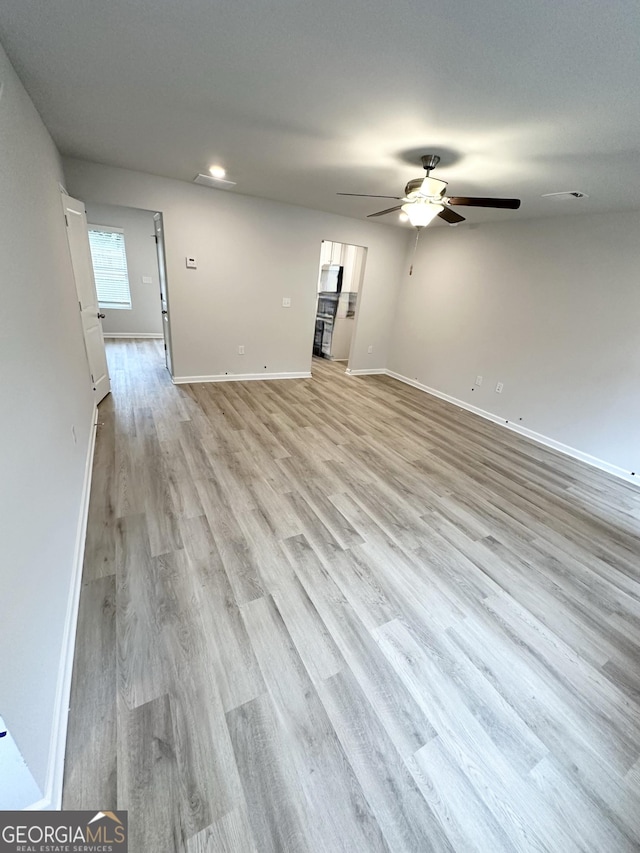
point(320, 361)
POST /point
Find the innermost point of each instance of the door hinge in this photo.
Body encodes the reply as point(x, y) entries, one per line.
point(66, 221)
point(79, 305)
point(92, 379)
point(155, 236)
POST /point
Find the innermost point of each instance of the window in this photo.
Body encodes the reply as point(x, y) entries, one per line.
point(110, 266)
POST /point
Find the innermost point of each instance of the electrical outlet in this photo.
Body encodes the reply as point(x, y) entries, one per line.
point(192, 263)
point(370, 348)
point(286, 302)
point(241, 350)
point(146, 279)
point(478, 380)
point(499, 388)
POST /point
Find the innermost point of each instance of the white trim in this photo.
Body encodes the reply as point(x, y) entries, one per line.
point(565, 449)
point(239, 377)
point(372, 371)
point(145, 335)
point(52, 798)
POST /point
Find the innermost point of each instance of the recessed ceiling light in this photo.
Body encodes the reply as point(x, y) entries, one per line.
point(218, 172)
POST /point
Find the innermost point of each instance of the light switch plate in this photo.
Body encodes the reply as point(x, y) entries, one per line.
point(146, 279)
point(192, 264)
point(286, 302)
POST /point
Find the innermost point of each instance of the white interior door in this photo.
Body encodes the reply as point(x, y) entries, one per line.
point(78, 237)
point(164, 299)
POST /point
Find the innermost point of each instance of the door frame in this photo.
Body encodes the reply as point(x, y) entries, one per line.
point(163, 281)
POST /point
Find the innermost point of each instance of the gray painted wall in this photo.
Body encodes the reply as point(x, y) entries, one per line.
point(144, 316)
point(251, 253)
point(45, 389)
point(548, 307)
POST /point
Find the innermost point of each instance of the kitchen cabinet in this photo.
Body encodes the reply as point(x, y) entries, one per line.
point(331, 253)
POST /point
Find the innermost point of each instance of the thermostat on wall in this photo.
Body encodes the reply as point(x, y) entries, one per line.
point(191, 263)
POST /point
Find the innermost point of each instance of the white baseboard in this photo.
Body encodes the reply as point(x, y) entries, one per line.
point(372, 371)
point(52, 798)
point(145, 335)
point(565, 449)
point(239, 377)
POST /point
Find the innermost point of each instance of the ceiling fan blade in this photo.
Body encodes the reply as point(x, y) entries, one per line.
point(467, 201)
point(451, 216)
point(365, 195)
point(382, 212)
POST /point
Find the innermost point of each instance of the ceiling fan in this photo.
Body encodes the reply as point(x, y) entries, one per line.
point(425, 198)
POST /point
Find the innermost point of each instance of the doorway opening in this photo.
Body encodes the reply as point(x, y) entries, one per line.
point(140, 316)
point(340, 275)
point(145, 312)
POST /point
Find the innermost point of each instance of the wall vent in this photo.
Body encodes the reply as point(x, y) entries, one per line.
point(566, 195)
point(215, 183)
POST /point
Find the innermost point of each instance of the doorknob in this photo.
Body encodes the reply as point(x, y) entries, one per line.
point(101, 316)
point(164, 312)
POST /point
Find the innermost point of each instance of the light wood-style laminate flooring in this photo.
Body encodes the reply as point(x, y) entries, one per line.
point(338, 614)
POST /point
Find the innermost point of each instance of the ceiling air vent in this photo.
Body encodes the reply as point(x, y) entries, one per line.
point(215, 183)
point(565, 195)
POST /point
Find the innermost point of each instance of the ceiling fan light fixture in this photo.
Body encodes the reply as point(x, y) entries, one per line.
point(424, 198)
point(421, 213)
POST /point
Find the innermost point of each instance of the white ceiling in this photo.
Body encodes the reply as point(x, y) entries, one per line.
point(300, 99)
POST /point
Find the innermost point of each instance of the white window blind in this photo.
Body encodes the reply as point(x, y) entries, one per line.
point(110, 266)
